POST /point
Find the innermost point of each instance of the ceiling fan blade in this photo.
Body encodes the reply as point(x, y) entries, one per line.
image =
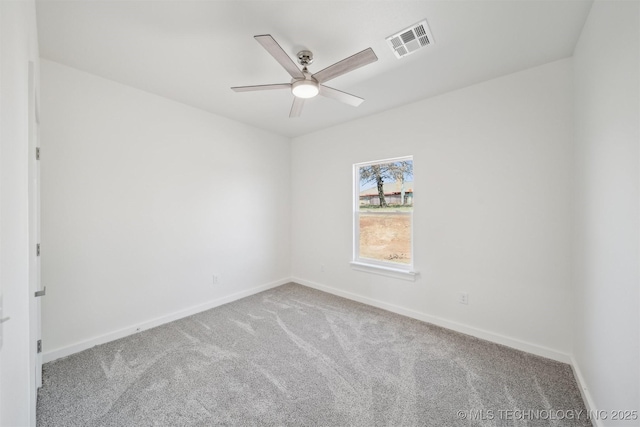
point(351, 63)
point(296, 108)
point(341, 96)
point(280, 55)
point(261, 87)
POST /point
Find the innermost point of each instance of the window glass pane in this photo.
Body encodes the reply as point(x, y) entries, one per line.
point(385, 237)
point(384, 211)
point(386, 185)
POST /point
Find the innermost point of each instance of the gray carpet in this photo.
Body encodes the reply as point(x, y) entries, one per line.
point(299, 357)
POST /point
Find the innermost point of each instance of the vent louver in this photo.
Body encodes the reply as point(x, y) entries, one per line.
point(410, 39)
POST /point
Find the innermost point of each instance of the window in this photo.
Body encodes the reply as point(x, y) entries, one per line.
point(383, 217)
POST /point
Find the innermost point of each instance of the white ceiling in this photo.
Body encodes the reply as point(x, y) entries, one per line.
point(194, 51)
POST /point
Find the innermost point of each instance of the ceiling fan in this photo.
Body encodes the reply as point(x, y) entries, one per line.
point(305, 85)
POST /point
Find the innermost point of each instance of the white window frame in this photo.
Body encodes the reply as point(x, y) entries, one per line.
point(384, 268)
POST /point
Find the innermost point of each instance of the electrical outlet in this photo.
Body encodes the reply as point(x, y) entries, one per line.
point(463, 298)
point(216, 279)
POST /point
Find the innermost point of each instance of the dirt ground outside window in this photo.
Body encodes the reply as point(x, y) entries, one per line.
point(386, 237)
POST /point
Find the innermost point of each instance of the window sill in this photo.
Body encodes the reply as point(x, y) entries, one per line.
point(385, 271)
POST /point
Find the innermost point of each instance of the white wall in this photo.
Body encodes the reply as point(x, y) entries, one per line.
point(143, 201)
point(492, 209)
point(18, 40)
point(607, 110)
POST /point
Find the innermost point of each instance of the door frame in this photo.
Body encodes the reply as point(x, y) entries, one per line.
point(35, 357)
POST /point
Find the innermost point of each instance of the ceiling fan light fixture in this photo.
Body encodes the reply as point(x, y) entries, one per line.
point(305, 89)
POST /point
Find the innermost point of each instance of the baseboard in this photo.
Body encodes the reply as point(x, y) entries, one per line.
point(458, 327)
point(121, 333)
point(584, 392)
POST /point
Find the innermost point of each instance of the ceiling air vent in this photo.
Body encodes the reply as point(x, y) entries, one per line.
point(410, 39)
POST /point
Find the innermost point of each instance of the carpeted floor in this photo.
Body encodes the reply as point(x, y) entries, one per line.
point(299, 357)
